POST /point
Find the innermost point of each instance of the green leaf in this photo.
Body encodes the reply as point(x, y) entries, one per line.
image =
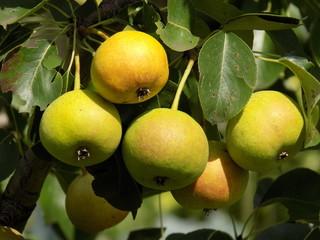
point(314, 41)
point(14, 37)
point(25, 74)
point(113, 182)
point(299, 191)
point(268, 72)
point(227, 76)
point(203, 234)
point(292, 231)
point(311, 89)
point(9, 154)
point(216, 9)
point(146, 234)
point(260, 21)
point(52, 203)
point(177, 34)
point(13, 11)
point(287, 42)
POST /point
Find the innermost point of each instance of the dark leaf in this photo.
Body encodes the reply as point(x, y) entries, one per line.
point(217, 9)
point(263, 186)
point(113, 182)
point(146, 234)
point(287, 231)
point(201, 234)
point(14, 37)
point(299, 191)
point(9, 154)
point(260, 21)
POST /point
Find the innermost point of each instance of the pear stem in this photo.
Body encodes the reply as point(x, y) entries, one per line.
point(97, 32)
point(77, 79)
point(184, 78)
point(161, 216)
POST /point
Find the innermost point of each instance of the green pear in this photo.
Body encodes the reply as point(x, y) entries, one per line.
point(165, 149)
point(220, 185)
point(87, 211)
point(80, 128)
point(268, 131)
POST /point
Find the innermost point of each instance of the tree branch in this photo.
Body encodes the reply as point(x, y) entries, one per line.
point(108, 9)
point(23, 190)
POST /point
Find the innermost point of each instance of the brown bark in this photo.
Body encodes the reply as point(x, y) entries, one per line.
point(23, 190)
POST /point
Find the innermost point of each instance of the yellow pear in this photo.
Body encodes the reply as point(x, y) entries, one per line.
point(165, 149)
point(220, 185)
point(7, 233)
point(87, 211)
point(268, 131)
point(129, 67)
point(80, 128)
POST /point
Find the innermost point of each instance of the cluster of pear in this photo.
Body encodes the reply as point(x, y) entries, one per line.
point(163, 149)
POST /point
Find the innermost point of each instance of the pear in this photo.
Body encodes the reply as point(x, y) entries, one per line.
point(81, 128)
point(268, 131)
point(88, 212)
point(8, 233)
point(165, 149)
point(129, 67)
point(220, 185)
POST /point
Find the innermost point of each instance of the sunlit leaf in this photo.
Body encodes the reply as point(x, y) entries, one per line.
point(260, 21)
point(227, 76)
point(177, 34)
point(311, 89)
point(24, 74)
point(299, 191)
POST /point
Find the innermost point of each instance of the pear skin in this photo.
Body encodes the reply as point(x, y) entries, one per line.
point(88, 212)
point(129, 67)
point(165, 149)
point(267, 132)
point(221, 184)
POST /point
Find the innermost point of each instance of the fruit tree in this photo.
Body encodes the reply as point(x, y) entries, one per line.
point(159, 120)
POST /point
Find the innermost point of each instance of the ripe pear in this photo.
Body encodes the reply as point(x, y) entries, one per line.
point(81, 128)
point(87, 211)
point(269, 130)
point(7, 233)
point(220, 185)
point(165, 149)
point(129, 67)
